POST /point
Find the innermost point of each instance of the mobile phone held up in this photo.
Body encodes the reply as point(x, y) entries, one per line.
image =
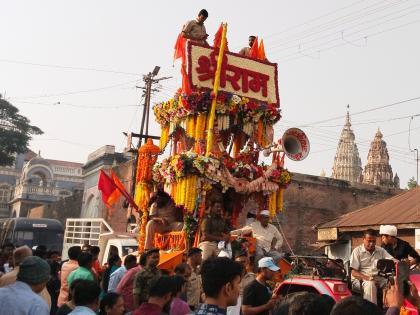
point(402, 271)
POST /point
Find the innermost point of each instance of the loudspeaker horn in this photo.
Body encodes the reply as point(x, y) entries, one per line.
point(294, 143)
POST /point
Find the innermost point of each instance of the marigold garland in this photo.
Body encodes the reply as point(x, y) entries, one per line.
point(272, 204)
point(147, 157)
point(186, 192)
point(142, 195)
point(142, 231)
point(280, 195)
point(164, 137)
point(200, 127)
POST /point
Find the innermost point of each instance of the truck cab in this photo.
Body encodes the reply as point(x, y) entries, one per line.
point(122, 246)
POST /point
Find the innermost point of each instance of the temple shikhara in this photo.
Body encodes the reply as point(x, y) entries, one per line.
point(378, 171)
point(348, 166)
point(347, 163)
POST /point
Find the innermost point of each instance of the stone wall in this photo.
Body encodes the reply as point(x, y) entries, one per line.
point(68, 207)
point(311, 200)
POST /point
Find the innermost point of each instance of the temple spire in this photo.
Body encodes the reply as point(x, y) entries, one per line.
point(378, 171)
point(347, 163)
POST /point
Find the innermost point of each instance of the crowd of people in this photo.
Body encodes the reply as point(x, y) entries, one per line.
point(38, 283)
point(213, 279)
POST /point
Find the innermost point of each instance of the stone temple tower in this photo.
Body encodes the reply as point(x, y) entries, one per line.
point(347, 163)
point(378, 171)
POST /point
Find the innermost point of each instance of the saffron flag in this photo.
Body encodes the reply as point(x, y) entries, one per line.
point(218, 38)
point(110, 192)
point(112, 189)
point(261, 51)
point(179, 51)
point(186, 87)
point(253, 52)
point(122, 190)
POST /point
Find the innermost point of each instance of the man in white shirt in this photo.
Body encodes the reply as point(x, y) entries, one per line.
point(269, 239)
point(363, 262)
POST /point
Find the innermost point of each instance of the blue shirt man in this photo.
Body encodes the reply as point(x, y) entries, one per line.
point(21, 298)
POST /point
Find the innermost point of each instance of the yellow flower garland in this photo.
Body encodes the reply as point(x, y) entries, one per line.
point(185, 191)
point(164, 137)
point(190, 128)
point(280, 194)
point(200, 126)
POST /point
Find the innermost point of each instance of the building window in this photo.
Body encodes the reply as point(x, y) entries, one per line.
point(4, 194)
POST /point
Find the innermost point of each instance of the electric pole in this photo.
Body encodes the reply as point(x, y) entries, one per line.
point(149, 80)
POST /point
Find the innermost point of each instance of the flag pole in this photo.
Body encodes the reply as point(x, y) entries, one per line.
point(212, 115)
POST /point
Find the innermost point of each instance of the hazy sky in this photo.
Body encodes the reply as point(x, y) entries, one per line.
point(330, 54)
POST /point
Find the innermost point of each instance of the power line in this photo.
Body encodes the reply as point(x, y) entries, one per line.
point(332, 24)
point(362, 112)
point(355, 123)
point(60, 104)
point(336, 31)
point(75, 92)
point(300, 53)
point(67, 142)
point(67, 67)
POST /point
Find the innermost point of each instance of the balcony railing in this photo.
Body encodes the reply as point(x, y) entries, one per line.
point(22, 190)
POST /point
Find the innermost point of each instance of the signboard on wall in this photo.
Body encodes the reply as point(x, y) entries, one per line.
point(329, 234)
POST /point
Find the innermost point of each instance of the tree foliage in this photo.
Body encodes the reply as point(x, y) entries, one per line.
point(412, 183)
point(15, 132)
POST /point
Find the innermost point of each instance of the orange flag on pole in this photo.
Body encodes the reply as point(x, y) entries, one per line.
point(218, 38)
point(110, 192)
point(253, 52)
point(179, 51)
point(112, 189)
point(261, 51)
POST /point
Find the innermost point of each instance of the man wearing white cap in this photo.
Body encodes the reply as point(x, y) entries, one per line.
point(257, 296)
point(269, 240)
point(398, 248)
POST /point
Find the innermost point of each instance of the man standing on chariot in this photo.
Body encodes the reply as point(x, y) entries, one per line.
point(195, 30)
point(245, 51)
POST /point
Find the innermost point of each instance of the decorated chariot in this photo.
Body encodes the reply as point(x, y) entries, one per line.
point(215, 131)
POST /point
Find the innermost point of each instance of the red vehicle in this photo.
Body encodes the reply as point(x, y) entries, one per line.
point(335, 288)
point(316, 275)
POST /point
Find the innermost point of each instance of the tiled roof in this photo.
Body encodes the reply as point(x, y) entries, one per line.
point(400, 209)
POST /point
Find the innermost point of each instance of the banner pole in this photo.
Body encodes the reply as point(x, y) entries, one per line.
point(210, 129)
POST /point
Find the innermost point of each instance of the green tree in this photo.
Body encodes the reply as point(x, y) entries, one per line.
point(15, 132)
point(411, 183)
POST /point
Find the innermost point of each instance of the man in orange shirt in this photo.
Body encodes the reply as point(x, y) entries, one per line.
point(67, 268)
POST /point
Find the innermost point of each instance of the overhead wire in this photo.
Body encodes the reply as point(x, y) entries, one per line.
point(330, 26)
point(300, 55)
point(335, 31)
point(74, 92)
point(60, 104)
point(363, 111)
point(68, 67)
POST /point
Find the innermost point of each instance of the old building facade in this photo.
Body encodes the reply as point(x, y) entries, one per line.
point(33, 181)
